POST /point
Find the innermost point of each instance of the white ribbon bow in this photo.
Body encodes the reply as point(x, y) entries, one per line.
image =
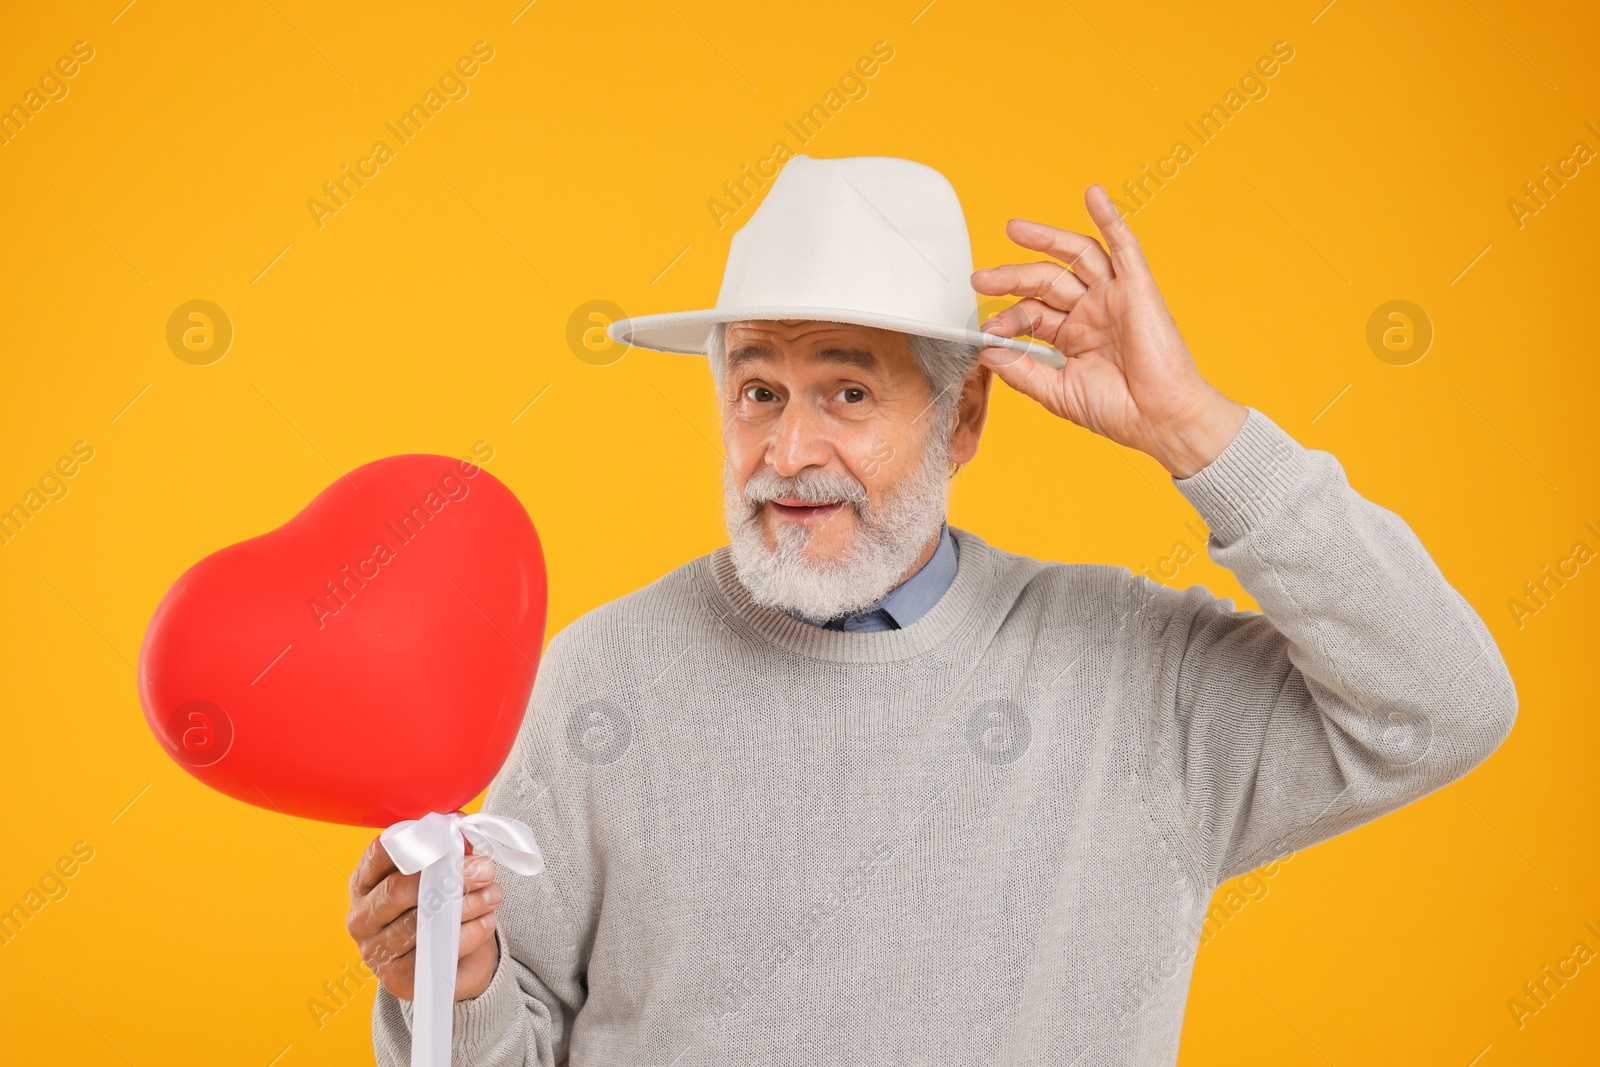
point(435, 845)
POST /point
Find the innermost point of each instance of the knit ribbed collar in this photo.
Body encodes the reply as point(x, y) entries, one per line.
point(974, 575)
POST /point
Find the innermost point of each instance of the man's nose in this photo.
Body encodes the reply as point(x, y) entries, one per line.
point(799, 440)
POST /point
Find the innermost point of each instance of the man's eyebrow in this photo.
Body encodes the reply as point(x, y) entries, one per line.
point(855, 357)
point(748, 354)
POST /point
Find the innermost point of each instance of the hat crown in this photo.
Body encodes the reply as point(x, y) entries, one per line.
point(877, 233)
point(871, 240)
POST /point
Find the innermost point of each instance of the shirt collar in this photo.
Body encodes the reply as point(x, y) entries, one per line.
point(911, 599)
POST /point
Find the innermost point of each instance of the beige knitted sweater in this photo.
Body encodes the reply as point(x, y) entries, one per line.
point(988, 838)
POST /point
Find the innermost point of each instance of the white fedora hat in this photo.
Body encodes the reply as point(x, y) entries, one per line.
point(869, 240)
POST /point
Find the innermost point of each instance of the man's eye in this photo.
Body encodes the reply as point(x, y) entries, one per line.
point(853, 395)
point(759, 393)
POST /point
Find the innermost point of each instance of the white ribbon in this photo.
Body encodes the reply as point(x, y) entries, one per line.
point(435, 845)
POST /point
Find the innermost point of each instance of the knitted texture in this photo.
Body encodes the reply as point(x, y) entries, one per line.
point(988, 838)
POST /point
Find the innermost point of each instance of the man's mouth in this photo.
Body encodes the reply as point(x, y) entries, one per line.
point(793, 509)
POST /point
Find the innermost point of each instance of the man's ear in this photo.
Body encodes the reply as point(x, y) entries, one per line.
point(971, 412)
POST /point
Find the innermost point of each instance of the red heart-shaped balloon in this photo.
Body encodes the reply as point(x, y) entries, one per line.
point(368, 661)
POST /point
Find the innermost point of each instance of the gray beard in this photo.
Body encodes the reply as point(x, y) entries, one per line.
point(889, 537)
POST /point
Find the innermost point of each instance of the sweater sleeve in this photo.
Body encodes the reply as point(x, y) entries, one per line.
point(1364, 683)
point(545, 924)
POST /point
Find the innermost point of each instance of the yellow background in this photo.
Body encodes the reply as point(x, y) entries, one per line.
point(432, 309)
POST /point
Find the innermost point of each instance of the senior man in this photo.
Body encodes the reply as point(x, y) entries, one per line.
point(859, 787)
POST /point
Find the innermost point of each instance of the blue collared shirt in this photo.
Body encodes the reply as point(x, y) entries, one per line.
point(912, 598)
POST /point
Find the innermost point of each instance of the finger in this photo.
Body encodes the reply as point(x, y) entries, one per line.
point(1049, 281)
point(399, 977)
point(1079, 251)
point(399, 938)
point(476, 970)
point(481, 902)
point(1021, 371)
point(392, 942)
point(1127, 258)
point(1027, 318)
point(478, 872)
point(475, 932)
point(388, 900)
point(375, 865)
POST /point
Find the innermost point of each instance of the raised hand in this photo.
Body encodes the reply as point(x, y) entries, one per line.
point(1128, 376)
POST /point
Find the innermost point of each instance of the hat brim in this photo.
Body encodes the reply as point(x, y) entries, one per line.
point(685, 332)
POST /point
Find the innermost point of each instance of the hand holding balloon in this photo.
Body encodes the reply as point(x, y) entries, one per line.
point(383, 922)
point(369, 662)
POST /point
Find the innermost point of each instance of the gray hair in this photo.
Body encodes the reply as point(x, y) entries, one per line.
point(945, 364)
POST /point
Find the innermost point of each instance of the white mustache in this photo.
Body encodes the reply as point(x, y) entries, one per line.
point(812, 486)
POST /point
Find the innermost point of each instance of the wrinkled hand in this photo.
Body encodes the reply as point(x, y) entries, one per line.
point(383, 922)
point(1128, 376)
